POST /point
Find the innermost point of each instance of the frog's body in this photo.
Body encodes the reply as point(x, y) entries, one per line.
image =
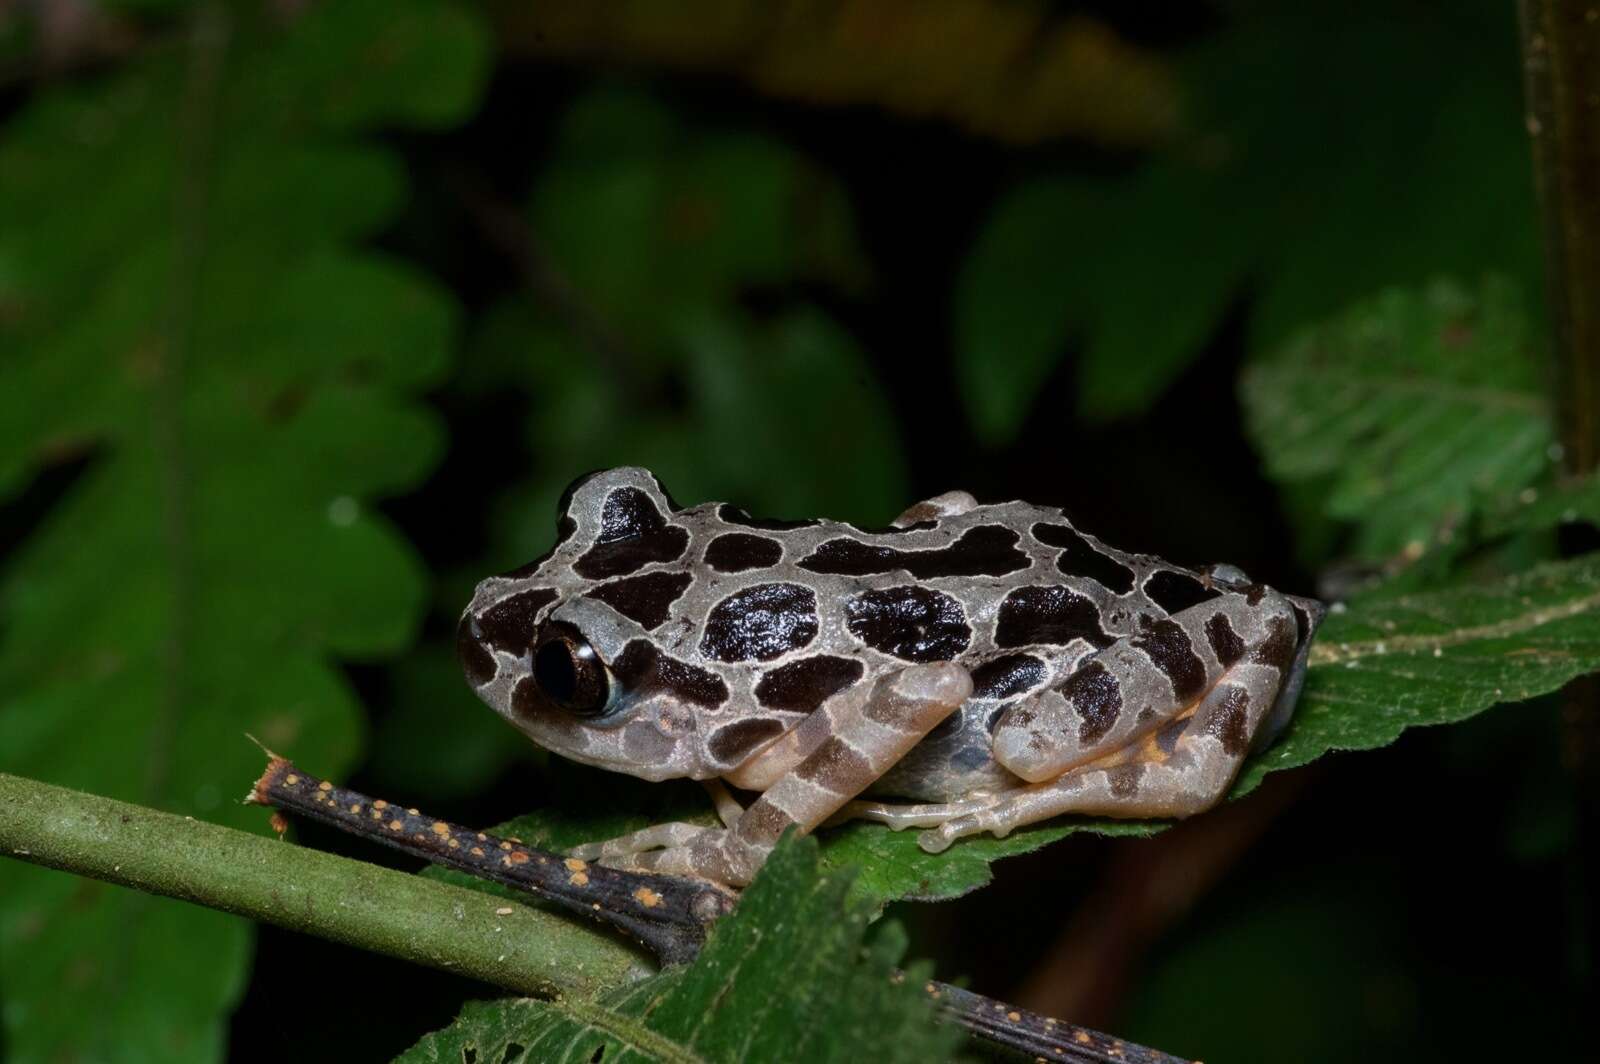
point(990, 659)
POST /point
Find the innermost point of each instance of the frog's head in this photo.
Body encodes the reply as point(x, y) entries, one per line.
point(577, 649)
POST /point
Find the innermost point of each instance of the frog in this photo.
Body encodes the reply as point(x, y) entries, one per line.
point(969, 668)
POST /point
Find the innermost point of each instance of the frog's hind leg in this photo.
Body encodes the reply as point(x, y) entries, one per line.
point(1182, 767)
point(862, 745)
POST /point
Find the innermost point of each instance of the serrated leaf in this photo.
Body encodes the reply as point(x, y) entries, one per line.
point(1412, 406)
point(784, 978)
point(183, 304)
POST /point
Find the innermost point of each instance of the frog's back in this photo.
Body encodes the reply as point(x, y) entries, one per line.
point(1012, 591)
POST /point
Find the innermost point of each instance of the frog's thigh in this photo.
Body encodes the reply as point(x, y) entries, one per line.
point(1140, 682)
point(1182, 768)
point(902, 708)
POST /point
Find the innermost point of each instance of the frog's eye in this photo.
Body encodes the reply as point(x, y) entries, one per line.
point(569, 672)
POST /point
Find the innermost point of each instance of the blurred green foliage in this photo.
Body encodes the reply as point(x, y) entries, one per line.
point(187, 304)
point(308, 312)
point(1333, 149)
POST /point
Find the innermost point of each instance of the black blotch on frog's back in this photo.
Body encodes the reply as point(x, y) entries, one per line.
point(1097, 697)
point(509, 624)
point(732, 743)
point(1008, 676)
point(1167, 646)
point(735, 552)
point(644, 670)
point(1225, 642)
point(987, 550)
point(1051, 614)
point(633, 534)
point(801, 686)
point(910, 622)
point(760, 623)
point(647, 599)
point(1278, 648)
point(1174, 591)
point(1080, 558)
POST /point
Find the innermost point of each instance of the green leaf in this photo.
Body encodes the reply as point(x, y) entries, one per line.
point(1274, 192)
point(892, 867)
point(1413, 405)
point(182, 303)
point(791, 975)
point(1385, 664)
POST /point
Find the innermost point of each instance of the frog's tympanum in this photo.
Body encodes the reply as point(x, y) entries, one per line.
point(989, 665)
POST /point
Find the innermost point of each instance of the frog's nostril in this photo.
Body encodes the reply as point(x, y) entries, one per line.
point(476, 661)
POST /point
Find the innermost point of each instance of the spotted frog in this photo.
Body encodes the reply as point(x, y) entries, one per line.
point(988, 666)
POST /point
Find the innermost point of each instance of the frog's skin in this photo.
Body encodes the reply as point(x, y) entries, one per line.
point(988, 660)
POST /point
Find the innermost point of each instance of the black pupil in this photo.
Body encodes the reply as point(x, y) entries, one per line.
point(554, 671)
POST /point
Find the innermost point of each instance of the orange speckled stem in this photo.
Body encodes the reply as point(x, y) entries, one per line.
point(669, 915)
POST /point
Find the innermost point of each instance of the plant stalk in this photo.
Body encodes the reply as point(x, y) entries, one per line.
point(1561, 71)
point(409, 917)
point(1561, 68)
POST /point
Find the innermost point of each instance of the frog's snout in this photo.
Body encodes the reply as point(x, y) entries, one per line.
point(472, 651)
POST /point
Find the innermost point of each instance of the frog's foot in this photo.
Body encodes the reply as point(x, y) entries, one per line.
point(900, 817)
point(678, 849)
point(654, 837)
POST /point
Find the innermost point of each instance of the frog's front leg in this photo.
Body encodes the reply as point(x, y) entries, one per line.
point(1180, 766)
point(862, 743)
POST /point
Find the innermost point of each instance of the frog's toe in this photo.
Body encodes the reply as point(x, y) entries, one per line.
point(655, 837)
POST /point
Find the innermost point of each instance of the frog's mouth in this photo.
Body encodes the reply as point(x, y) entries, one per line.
point(650, 738)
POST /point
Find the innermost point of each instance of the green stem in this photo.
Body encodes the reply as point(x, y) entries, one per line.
point(359, 904)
